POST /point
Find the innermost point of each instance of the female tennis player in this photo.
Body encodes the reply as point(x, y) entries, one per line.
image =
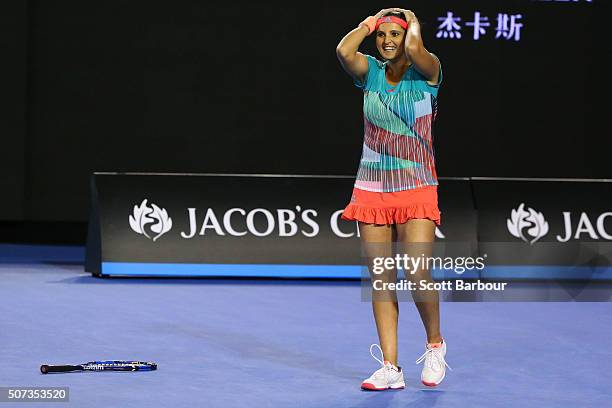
point(395, 193)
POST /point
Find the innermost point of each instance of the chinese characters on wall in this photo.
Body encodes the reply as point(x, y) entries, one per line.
point(504, 26)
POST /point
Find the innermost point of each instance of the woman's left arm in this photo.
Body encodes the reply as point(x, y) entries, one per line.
point(424, 61)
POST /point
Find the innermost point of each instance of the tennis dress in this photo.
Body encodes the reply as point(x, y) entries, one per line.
point(396, 179)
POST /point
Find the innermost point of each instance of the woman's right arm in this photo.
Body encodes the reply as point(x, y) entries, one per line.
point(354, 62)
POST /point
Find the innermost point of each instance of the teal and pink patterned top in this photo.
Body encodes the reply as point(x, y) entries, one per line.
point(397, 148)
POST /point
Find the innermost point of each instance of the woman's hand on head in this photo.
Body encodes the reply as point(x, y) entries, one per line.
point(382, 13)
point(410, 16)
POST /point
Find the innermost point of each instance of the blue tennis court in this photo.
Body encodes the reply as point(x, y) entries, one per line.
point(272, 343)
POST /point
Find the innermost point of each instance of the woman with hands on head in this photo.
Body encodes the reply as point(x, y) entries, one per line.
point(395, 193)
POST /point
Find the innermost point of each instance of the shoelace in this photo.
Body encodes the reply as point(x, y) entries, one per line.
point(381, 354)
point(432, 355)
point(384, 371)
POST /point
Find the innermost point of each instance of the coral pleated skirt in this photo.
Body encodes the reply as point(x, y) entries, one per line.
point(393, 207)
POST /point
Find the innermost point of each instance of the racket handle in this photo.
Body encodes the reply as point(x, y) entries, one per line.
point(59, 368)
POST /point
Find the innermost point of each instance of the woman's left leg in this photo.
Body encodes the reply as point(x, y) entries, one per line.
point(415, 238)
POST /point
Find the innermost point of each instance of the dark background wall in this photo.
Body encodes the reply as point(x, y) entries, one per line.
point(242, 87)
point(13, 40)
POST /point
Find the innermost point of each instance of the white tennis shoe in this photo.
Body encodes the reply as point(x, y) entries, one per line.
point(386, 377)
point(434, 367)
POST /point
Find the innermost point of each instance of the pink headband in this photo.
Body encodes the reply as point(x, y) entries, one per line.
point(391, 19)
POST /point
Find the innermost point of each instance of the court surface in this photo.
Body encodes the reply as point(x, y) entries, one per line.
point(281, 343)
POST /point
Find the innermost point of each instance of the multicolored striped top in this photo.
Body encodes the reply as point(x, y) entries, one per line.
point(397, 148)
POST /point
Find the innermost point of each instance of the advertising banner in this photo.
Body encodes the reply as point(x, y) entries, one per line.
point(560, 228)
point(192, 225)
point(239, 225)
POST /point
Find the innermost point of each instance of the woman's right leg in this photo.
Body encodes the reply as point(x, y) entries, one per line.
point(377, 241)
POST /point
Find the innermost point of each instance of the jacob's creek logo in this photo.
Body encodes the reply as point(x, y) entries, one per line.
point(238, 222)
point(530, 225)
point(144, 215)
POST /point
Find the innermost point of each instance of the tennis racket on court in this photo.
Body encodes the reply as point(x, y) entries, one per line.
point(105, 365)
